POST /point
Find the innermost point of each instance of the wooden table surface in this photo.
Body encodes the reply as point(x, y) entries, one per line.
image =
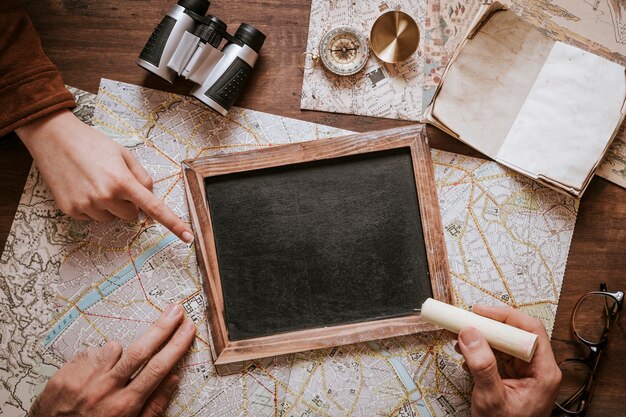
point(89, 40)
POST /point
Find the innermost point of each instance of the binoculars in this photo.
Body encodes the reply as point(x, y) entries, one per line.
point(186, 43)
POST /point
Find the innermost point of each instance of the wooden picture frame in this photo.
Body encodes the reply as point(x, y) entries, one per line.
point(229, 352)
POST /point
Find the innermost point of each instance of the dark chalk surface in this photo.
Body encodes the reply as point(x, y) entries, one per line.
point(319, 243)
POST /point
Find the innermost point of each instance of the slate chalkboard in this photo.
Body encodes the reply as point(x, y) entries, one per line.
point(319, 243)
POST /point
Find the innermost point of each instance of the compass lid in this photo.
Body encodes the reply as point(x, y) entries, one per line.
point(394, 37)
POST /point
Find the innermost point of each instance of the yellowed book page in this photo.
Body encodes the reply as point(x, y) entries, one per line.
point(597, 26)
point(486, 86)
point(568, 118)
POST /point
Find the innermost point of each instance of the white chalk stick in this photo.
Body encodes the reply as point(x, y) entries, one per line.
point(508, 339)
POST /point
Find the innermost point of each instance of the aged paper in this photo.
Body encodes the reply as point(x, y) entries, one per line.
point(547, 109)
point(597, 26)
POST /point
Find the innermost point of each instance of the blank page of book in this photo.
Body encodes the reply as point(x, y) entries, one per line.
point(543, 108)
point(568, 117)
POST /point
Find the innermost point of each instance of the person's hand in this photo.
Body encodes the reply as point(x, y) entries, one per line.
point(98, 382)
point(91, 176)
point(518, 388)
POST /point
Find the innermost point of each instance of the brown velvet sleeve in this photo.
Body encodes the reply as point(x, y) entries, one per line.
point(30, 84)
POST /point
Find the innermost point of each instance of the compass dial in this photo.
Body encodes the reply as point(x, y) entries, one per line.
point(343, 50)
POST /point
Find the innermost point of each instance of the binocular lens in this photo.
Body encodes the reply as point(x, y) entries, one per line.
point(199, 7)
point(251, 36)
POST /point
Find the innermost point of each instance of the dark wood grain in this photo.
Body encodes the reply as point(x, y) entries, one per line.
point(93, 39)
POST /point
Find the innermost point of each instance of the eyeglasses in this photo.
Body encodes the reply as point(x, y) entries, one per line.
point(593, 317)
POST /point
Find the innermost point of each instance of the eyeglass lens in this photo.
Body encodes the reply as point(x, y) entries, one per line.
point(591, 317)
point(590, 321)
point(572, 384)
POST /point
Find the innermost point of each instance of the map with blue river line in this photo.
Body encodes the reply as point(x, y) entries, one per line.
point(66, 286)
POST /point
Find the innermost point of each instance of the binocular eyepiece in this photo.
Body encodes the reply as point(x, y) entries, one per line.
point(186, 43)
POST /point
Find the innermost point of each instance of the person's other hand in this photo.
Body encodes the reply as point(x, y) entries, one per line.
point(98, 382)
point(519, 388)
point(91, 176)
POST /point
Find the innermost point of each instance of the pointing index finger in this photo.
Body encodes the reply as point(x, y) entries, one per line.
point(155, 208)
point(142, 349)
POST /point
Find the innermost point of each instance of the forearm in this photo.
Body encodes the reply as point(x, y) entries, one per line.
point(46, 135)
point(30, 85)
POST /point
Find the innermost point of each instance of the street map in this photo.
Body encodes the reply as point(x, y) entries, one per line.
point(396, 91)
point(68, 285)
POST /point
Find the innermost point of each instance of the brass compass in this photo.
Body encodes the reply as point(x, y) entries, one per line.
point(343, 50)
